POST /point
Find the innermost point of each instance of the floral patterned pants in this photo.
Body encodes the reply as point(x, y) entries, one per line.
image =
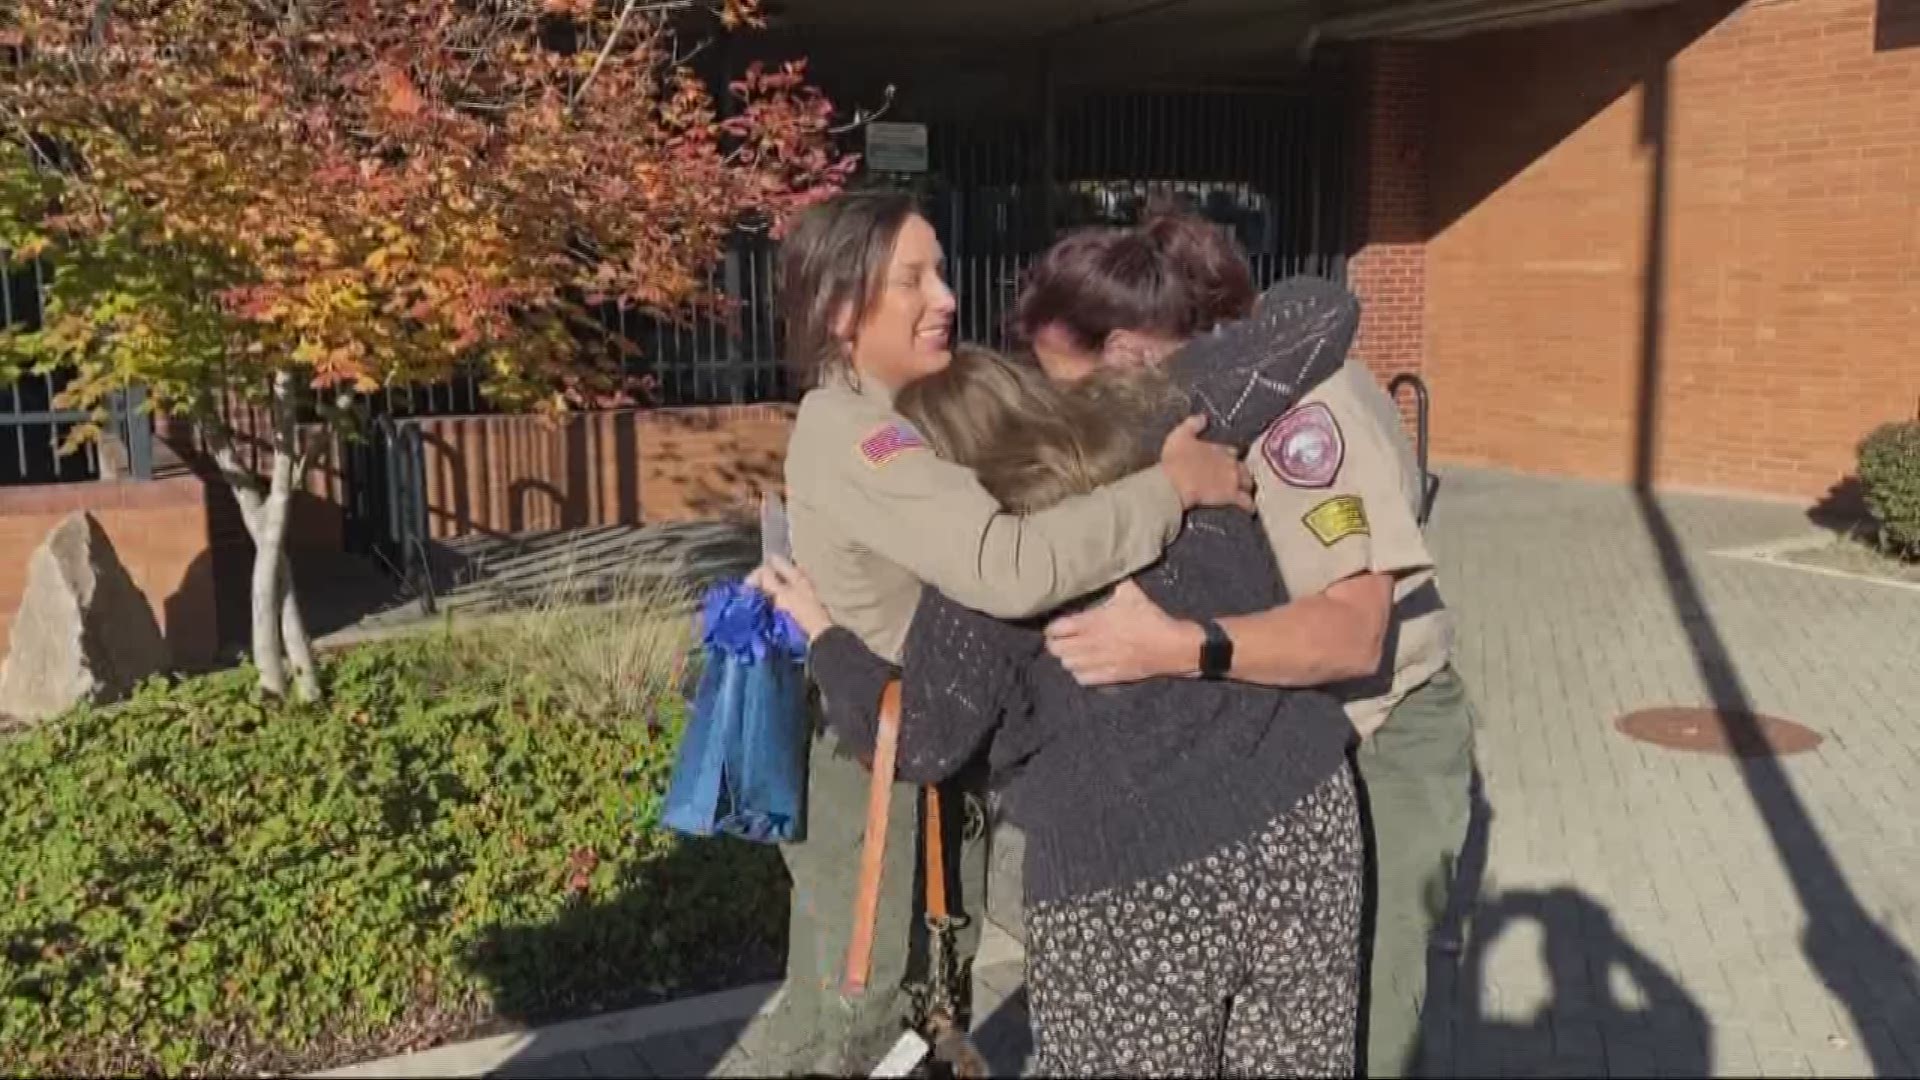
point(1244, 963)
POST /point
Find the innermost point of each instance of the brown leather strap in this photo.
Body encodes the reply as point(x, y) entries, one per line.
point(936, 857)
point(866, 899)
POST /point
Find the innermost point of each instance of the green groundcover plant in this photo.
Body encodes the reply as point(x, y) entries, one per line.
point(208, 880)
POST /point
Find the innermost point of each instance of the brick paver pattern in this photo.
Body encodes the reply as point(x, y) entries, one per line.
point(1645, 911)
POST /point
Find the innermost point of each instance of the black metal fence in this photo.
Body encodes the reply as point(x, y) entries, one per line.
point(728, 357)
point(1269, 164)
point(33, 429)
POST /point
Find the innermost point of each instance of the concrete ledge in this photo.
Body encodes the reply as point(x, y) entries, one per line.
point(482, 1056)
point(1774, 552)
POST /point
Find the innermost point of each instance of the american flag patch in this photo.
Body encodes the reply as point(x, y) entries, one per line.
point(889, 441)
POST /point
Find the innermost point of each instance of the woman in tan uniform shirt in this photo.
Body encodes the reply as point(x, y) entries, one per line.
point(873, 514)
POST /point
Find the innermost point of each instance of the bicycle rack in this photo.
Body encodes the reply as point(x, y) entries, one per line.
point(1429, 483)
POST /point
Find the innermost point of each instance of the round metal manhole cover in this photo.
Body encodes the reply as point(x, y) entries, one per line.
point(1711, 731)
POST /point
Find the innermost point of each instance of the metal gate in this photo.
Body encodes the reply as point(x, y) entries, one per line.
point(1002, 183)
point(1269, 164)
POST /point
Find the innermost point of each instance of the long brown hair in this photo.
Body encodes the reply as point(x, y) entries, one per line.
point(1033, 444)
point(832, 260)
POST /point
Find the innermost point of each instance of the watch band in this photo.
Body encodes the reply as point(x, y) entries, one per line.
point(1216, 651)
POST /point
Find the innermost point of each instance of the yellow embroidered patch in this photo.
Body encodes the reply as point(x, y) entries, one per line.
point(1336, 519)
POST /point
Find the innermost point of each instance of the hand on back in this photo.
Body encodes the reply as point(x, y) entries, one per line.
point(1204, 473)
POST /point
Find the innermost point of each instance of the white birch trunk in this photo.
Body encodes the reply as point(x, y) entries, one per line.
point(280, 642)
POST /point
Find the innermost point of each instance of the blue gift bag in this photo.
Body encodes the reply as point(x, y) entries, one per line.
point(742, 769)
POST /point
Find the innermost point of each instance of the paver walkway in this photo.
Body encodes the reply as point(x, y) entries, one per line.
point(1645, 911)
point(1657, 912)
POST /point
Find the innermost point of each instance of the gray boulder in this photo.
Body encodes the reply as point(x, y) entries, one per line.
point(84, 631)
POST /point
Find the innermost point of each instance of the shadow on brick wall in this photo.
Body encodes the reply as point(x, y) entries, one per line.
point(336, 588)
point(1545, 94)
point(1896, 25)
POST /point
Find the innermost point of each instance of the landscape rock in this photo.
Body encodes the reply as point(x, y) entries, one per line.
point(84, 631)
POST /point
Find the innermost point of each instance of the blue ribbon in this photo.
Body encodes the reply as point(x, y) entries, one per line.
point(741, 622)
point(742, 763)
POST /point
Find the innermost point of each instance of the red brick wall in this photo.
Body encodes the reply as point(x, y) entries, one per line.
point(186, 548)
point(1388, 268)
point(1788, 291)
point(159, 532)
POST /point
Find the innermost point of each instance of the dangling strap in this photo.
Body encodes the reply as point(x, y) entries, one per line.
point(935, 847)
point(873, 852)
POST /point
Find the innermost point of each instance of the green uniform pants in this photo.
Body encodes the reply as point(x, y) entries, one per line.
point(1416, 772)
point(813, 1028)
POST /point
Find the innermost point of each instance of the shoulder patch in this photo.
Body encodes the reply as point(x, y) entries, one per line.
point(889, 441)
point(1336, 519)
point(1305, 446)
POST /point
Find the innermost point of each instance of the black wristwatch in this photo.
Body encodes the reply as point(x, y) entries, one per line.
point(1216, 651)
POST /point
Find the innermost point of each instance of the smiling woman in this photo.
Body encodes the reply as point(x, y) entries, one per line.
point(874, 514)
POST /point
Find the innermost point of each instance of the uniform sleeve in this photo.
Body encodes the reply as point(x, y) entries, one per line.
point(1245, 374)
point(961, 674)
point(1332, 498)
point(933, 518)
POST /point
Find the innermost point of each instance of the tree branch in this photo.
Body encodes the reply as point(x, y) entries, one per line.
point(619, 25)
point(862, 117)
point(246, 485)
point(606, 50)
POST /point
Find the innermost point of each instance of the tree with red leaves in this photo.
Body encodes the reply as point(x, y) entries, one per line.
point(285, 203)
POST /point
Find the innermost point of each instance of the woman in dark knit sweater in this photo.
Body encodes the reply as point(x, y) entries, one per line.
point(1193, 847)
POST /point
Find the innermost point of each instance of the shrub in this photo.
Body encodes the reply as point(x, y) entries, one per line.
point(202, 879)
point(1890, 474)
point(604, 646)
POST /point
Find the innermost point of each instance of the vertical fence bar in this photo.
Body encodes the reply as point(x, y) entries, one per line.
point(7, 318)
point(53, 430)
point(139, 433)
point(736, 363)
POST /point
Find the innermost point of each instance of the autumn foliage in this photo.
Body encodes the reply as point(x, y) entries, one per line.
point(288, 201)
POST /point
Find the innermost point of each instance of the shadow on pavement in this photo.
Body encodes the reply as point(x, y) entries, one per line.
point(707, 916)
point(1586, 1026)
point(1866, 968)
point(1593, 1023)
point(1005, 1035)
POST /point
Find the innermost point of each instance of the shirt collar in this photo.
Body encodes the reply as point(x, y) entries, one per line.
point(872, 389)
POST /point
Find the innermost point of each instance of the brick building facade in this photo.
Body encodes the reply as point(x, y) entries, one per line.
point(1719, 202)
point(1678, 244)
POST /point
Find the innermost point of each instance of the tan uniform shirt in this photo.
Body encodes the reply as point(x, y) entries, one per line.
point(874, 513)
point(1339, 494)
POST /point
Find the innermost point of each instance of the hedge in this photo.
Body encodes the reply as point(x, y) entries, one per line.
point(203, 881)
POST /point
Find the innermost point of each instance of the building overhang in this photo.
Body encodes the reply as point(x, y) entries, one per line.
point(1161, 38)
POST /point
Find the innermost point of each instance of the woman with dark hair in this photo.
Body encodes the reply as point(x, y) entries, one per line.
point(1340, 495)
point(1102, 297)
point(1193, 848)
point(874, 513)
